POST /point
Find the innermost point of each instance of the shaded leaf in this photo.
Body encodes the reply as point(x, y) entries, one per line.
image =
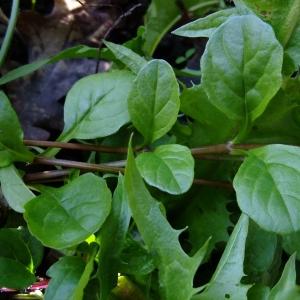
point(63, 217)
point(11, 135)
point(112, 238)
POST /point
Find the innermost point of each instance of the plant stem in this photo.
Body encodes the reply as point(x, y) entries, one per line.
point(10, 31)
point(77, 165)
point(75, 146)
point(219, 184)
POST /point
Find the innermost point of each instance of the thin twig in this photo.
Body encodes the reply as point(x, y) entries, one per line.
point(38, 176)
point(75, 146)
point(108, 32)
point(77, 165)
point(219, 184)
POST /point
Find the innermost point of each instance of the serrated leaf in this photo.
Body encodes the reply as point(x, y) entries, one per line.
point(206, 216)
point(16, 193)
point(11, 135)
point(154, 100)
point(205, 27)
point(96, 106)
point(241, 67)
point(112, 238)
point(267, 187)
point(284, 16)
point(286, 287)
point(63, 217)
point(176, 268)
point(128, 57)
point(225, 283)
point(170, 168)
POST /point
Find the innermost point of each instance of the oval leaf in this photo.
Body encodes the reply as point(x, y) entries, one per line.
point(205, 27)
point(154, 100)
point(268, 189)
point(66, 216)
point(96, 106)
point(14, 275)
point(11, 135)
point(170, 168)
point(241, 67)
point(16, 193)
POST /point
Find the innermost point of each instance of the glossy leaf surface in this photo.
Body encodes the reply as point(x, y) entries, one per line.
point(267, 187)
point(154, 100)
point(63, 217)
point(241, 67)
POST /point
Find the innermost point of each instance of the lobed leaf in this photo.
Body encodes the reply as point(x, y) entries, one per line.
point(176, 268)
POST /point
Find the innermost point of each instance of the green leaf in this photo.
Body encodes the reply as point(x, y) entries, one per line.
point(129, 58)
point(206, 216)
point(286, 287)
point(63, 217)
point(96, 106)
point(176, 268)
point(205, 27)
point(11, 135)
point(291, 243)
point(225, 283)
point(162, 15)
point(15, 248)
point(15, 260)
point(170, 168)
point(212, 125)
point(14, 275)
point(65, 276)
point(284, 16)
point(112, 238)
point(135, 258)
point(80, 51)
point(241, 67)
point(154, 100)
point(267, 187)
point(16, 193)
point(280, 121)
point(261, 248)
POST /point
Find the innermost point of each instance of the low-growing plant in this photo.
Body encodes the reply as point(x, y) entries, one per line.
point(177, 179)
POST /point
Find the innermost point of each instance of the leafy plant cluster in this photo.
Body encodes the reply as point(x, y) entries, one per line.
point(151, 232)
